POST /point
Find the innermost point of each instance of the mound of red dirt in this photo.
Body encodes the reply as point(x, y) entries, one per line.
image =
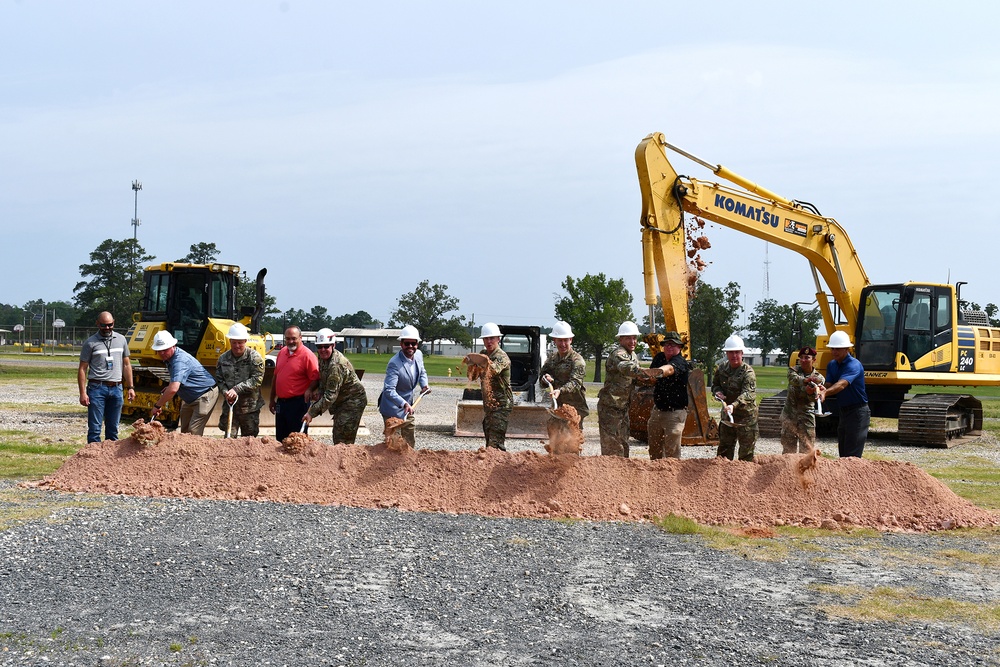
point(774, 490)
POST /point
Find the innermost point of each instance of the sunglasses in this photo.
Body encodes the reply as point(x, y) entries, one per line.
point(323, 347)
point(109, 325)
point(409, 343)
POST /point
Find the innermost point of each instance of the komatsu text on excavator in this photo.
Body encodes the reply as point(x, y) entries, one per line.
point(906, 334)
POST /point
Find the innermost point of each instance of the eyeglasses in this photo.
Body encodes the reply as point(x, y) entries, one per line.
point(109, 325)
point(323, 347)
point(409, 343)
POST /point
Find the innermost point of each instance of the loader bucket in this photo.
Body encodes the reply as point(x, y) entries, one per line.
point(527, 420)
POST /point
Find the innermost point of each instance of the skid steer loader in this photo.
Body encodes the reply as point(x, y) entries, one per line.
point(526, 349)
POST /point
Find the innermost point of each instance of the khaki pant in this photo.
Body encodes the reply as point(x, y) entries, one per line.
point(194, 415)
point(664, 431)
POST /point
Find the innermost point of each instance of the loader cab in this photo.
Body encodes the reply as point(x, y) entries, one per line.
point(909, 324)
point(185, 296)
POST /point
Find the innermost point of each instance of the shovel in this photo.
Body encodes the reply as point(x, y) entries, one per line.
point(304, 423)
point(725, 413)
point(555, 405)
point(409, 417)
point(229, 421)
point(819, 409)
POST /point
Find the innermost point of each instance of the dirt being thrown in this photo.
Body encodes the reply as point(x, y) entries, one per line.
point(842, 493)
point(394, 439)
point(563, 428)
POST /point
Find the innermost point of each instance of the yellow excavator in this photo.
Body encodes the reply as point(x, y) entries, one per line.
point(196, 303)
point(905, 334)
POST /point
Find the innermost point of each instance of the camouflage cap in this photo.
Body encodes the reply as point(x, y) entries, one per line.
point(673, 337)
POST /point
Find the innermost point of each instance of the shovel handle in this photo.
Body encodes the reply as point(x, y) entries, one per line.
point(420, 396)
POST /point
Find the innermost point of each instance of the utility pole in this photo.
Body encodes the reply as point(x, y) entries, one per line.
point(136, 186)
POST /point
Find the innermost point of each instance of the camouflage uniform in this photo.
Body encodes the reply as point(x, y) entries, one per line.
point(798, 418)
point(342, 394)
point(567, 376)
point(245, 374)
point(739, 385)
point(497, 412)
point(621, 370)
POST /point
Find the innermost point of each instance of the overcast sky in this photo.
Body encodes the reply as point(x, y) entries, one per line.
point(355, 149)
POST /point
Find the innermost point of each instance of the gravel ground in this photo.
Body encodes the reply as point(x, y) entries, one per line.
point(135, 581)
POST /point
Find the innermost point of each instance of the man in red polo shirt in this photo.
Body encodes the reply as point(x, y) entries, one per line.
point(294, 370)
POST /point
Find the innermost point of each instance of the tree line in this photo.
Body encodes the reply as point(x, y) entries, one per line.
point(593, 304)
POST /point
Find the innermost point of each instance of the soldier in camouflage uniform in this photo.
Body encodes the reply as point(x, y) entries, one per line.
point(240, 373)
point(621, 368)
point(498, 398)
point(735, 384)
point(565, 371)
point(338, 390)
point(798, 417)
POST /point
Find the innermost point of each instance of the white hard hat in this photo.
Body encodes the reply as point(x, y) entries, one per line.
point(734, 344)
point(326, 337)
point(238, 332)
point(561, 330)
point(627, 329)
point(489, 330)
point(839, 339)
point(163, 341)
point(409, 332)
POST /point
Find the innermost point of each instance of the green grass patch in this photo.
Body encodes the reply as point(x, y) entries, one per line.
point(905, 605)
point(25, 455)
point(971, 477)
point(12, 372)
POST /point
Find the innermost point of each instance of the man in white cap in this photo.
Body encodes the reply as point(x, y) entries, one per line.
point(845, 379)
point(565, 371)
point(240, 373)
point(189, 380)
point(337, 390)
point(621, 370)
point(404, 373)
point(735, 385)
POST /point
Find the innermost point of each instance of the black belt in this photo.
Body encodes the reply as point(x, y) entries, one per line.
point(104, 382)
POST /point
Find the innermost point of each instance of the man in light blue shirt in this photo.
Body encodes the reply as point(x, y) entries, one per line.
point(404, 373)
point(194, 385)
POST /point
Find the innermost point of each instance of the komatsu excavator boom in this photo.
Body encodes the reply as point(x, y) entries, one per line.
point(905, 333)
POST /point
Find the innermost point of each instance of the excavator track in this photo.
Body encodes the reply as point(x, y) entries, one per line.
point(940, 420)
point(769, 415)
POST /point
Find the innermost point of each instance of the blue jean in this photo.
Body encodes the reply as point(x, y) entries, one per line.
point(105, 408)
point(852, 431)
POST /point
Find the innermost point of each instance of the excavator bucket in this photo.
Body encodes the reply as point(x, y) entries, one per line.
point(700, 428)
point(527, 420)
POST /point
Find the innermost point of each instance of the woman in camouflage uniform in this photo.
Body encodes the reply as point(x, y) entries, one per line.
point(735, 384)
point(565, 371)
point(798, 417)
point(338, 390)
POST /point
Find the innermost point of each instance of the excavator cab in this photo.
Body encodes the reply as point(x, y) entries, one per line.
point(906, 327)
